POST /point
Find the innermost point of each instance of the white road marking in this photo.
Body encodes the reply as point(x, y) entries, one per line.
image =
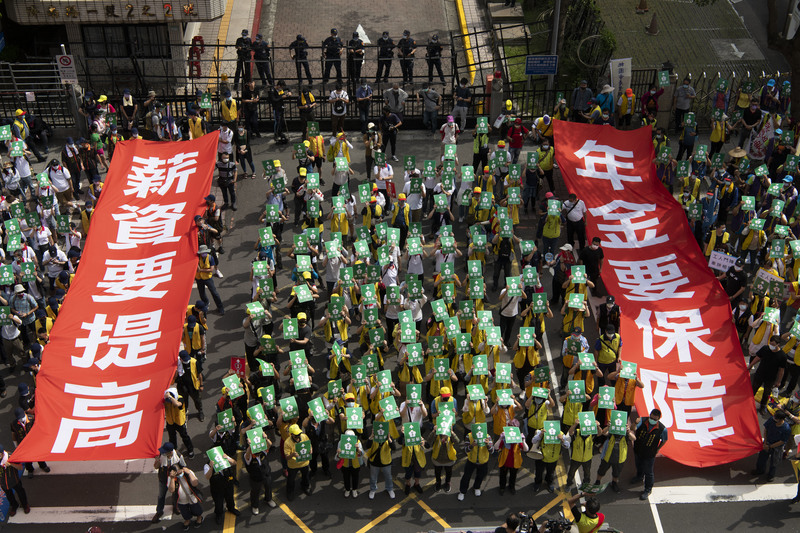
point(656, 518)
point(723, 493)
point(362, 34)
point(87, 515)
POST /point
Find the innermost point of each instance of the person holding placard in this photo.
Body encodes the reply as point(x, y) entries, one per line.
point(536, 409)
point(350, 466)
point(257, 465)
point(443, 456)
point(552, 441)
point(413, 456)
point(624, 389)
point(511, 447)
point(379, 456)
point(582, 448)
point(614, 454)
point(295, 462)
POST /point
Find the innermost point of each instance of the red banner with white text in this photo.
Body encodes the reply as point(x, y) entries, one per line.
point(676, 319)
point(114, 348)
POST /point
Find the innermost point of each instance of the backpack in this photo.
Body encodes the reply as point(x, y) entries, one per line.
point(339, 107)
point(504, 247)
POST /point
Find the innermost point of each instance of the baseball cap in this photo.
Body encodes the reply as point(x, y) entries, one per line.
point(167, 447)
point(294, 429)
point(210, 198)
point(548, 195)
point(401, 196)
point(445, 392)
point(184, 355)
point(301, 316)
point(610, 300)
point(576, 329)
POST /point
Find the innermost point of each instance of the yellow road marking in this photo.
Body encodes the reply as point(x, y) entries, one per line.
point(383, 516)
point(222, 36)
point(431, 512)
point(230, 520)
point(547, 507)
point(462, 22)
point(296, 519)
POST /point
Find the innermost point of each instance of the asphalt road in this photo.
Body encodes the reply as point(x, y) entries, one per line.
point(326, 509)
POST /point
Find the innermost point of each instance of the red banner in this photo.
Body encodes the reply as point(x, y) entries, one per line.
point(114, 347)
point(676, 319)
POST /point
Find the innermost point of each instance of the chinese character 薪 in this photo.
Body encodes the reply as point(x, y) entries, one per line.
point(103, 416)
point(153, 175)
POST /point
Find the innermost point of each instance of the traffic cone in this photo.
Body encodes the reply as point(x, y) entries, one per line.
point(652, 29)
point(642, 8)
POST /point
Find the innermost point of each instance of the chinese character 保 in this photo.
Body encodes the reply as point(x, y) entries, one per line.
point(103, 416)
point(682, 330)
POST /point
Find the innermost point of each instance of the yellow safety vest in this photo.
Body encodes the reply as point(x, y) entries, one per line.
point(628, 103)
point(478, 453)
point(451, 451)
point(624, 391)
point(550, 452)
point(623, 448)
point(196, 127)
point(608, 353)
point(205, 264)
point(416, 451)
point(175, 416)
point(516, 450)
point(406, 211)
point(229, 112)
point(712, 241)
point(195, 342)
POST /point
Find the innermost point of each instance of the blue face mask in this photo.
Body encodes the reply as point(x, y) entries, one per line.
point(652, 421)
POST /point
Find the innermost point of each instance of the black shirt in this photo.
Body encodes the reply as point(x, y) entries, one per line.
point(406, 46)
point(734, 280)
point(770, 362)
point(243, 47)
point(385, 47)
point(355, 48)
point(434, 50)
point(333, 47)
point(261, 50)
point(751, 117)
point(389, 120)
point(300, 47)
point(592, 260)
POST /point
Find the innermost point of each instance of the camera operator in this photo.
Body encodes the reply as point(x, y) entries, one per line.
point(511, 524)
point(590, 519)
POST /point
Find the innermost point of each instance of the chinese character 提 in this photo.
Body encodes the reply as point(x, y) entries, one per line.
point(130, 341)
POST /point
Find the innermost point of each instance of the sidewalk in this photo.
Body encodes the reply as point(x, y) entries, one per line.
point(239, 15)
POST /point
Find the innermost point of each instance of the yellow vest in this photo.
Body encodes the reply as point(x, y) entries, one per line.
point(582, 447)
point(628, 103)
point(229, 113)
point(175, 415)
point(417, 452)
point(717, 131)
point(196, 127)
point(748, 239)
point(789, 346)
point(406, 210)
point(288, 450)
point(451, 451)
point(517, 451)
point(536, 418)
point(624, 391)
point(546, 158)
point(608, 353)
point(550, 452)
point(586, 524)
point(204, 263)
point(474, 414)
point(385, 452)
point(196, 340)
point(367, 218)
point(524, 353)
point(623, 448)
point(712, 241)
point(22, 125)
point(478, 453)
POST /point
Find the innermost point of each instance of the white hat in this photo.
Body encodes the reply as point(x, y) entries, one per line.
point(566, 248)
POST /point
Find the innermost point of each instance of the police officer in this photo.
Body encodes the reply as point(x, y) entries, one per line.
point(407, 47)
point(355, 58)
point(385, 51)
point(332, 50)
point(261, 55)
point(299, 52)
point(433, 55)
point(243, 47)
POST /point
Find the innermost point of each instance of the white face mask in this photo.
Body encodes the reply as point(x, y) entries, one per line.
point(595, 246)
point(652, 92)
point(742, 306)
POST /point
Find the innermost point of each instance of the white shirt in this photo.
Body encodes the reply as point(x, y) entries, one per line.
point(225, 137)
point(414, 414)
point(382, 174)
point(414, 200)
point(339, 95)
point(59, 178)
point(575, 214)
point(43, 234)
point(509, 306)
point(450, 130)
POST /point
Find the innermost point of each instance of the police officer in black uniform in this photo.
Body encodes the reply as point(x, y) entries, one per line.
point(433, 54)
point(261, 53)
point(332, 49)
point(407, 48)
point(385, 51)
point(299, 52)
point(243, 47)
point(355, 58)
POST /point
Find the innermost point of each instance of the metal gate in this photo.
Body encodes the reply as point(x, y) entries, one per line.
point(37, 89)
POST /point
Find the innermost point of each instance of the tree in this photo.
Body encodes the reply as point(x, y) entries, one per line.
point(790, 48)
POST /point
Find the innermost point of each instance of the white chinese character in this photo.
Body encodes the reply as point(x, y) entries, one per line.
point(691, 404)
point(126, 279)
point(137, 333)
point(609, 161)
point(106, 415)
point(627, 228)
point(681, 330)
point(651, 279)
point(154, 175)
point(153, 224)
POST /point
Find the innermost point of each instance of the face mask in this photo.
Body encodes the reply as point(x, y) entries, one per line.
point(773, 348)
point(241, 130)
point(753, 107)
point(685, 85)
point(363, 85)
point(228, 99)
point(652, 92)
point(595, 246)
point(350, 404)
point(605, 117)
point(737, 269)
point(742, 306)
point(652, 421)
point(545, 147)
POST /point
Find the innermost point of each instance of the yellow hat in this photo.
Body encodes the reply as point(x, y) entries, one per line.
point(306, 143)
point(266, 336)
point(277, 163)
point(19, 112)
point(303, 171)
point(476, 190)
point(224, 390)
point(349, 396)
point(102, 98)
point(306, 275)
point(501, 143)
point(445, 392)
point(508, 104)
point(294, 429)
point(373, 200)
point(301, 316)
point(486, 170)
point(374, 186)
point(401, 196)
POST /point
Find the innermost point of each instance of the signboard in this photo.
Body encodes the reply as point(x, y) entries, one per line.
point(545, 65)
point(66, 69)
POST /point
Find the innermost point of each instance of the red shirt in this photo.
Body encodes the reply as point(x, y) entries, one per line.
point(517, 134)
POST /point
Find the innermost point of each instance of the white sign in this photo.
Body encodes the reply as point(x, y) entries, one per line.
point(620, 72)
point(721, 261)
point(66, 69)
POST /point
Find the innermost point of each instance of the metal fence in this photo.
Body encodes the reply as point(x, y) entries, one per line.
point(35, 88)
